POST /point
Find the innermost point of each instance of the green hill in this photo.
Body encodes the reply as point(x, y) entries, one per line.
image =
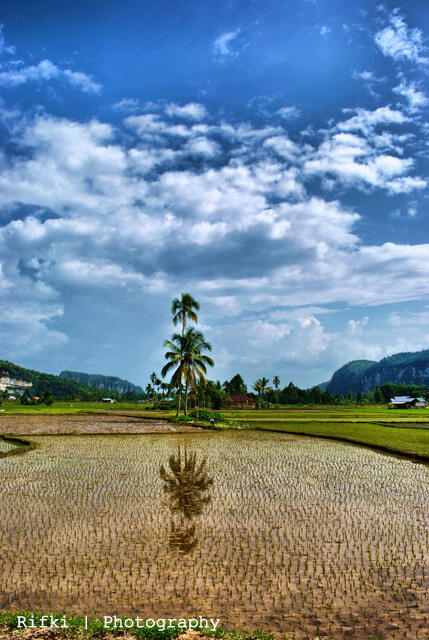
point(349, 377)
point(111, 383)
point(61, 388)
point(408, 368)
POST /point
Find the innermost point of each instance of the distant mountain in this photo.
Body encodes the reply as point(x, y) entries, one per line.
point(365, 375)
point(111, 383)
point(61, 388)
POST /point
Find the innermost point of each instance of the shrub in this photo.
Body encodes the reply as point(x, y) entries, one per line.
point(206, 415)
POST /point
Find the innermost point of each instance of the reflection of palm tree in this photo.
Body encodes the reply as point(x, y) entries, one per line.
point(185, 483)
point(182, 536)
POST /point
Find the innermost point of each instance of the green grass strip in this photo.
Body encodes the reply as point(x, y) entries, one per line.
point(412, 442)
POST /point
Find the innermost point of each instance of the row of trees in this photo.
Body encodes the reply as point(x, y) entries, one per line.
point(187, 363)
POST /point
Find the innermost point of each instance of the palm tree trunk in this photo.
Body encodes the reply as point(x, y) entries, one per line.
point(186, 398)
point(178, 401)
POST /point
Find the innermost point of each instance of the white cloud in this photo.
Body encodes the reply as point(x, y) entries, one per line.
point(365, 120)
point(127, 105)
point(289, 113)
point(241, 232)
point(47, 70)
point(370, 81)
point(400, 42)
point(4, 48)
point(415, 319)
point(81, 81)
point(202, 146)
point(283, 146)
point(356, 327)
point(354, 153)
point(222, 45)
point(416, 99)
point(191, 111)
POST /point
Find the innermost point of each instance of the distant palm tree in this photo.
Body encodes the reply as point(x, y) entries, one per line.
point(276, 383)
point(164, 388)
point(187, 358)
point(183, 309)
point(155, 381)
point(261, 386)
point(150, 390)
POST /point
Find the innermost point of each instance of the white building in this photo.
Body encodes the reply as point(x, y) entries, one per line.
point(7, 383)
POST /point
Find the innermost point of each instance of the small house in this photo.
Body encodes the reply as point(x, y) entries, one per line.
point(406, 402)
point(243, 401)
point(108, 400)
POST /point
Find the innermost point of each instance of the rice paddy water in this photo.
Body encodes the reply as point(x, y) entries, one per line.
point(290, 534)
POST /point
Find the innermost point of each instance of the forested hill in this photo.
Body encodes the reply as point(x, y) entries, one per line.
point(349, 377)
point(61, 388)
point(112, 383)
point(364, 375)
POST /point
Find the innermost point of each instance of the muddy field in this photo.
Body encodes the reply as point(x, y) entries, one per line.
point(293, 535)
point(23, 424)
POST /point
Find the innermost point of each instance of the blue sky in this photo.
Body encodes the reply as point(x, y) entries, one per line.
point(270, 158)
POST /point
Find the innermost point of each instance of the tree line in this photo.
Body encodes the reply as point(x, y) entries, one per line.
point(187, 363)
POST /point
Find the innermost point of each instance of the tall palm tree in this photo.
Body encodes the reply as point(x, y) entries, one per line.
point(183, 309)
point(187, 358)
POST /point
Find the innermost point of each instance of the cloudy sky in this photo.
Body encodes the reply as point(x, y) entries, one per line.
point(269, 157)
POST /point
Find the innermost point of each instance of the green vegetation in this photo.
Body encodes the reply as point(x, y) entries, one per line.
point(410, 441)
point(409, 368)
point(261, 387)
point(349, 377)
point(400, 431)
point(59, 388)
point(396, 431)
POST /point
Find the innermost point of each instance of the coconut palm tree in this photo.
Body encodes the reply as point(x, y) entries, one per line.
point(187, 358)
point(183, 309)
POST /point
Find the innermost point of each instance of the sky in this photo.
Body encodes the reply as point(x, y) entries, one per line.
point(268, 157)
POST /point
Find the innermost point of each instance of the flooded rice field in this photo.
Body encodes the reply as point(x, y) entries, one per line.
point(294, 535)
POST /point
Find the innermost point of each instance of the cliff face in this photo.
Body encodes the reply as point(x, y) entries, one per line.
point(110, 383)
point(417, 373)
point(365, 375)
